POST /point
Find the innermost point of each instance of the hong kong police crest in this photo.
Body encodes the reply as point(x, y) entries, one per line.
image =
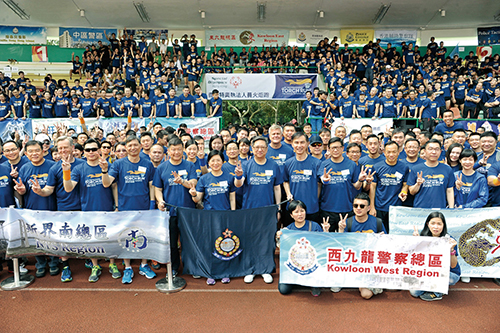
point(227, 246)
point(302, 257)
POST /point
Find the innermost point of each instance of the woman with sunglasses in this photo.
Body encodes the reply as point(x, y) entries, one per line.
point(106, 151)
point(120, 150)
point(435, 226)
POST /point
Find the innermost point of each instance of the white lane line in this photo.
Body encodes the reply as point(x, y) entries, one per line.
point(212, 290)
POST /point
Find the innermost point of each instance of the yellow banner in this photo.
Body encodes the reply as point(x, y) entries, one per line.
point(355, 36)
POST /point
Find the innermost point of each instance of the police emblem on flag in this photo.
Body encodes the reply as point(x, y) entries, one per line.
point(227, 246)
point(302, 257)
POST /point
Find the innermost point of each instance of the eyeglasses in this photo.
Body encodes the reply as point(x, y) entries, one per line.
point(259, 147)
point(336, 148)
point(88, 150)
point(106, 147)
point(360, 206)
point(354, 152)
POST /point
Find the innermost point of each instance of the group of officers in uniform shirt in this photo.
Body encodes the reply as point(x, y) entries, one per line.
point(449, 168)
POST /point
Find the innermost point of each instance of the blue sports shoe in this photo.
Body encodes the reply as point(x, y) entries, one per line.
point(147, 272)
point(128, 274)
point(66, 275)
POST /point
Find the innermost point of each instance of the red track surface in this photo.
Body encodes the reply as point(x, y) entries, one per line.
point(79, 306)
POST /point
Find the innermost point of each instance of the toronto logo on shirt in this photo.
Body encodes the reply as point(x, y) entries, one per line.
point(133, 239)
point(302, 258)
point(227, 246)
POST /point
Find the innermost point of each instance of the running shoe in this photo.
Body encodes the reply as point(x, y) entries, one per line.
point(147, 272)
point(128, 274)
point(66, 275)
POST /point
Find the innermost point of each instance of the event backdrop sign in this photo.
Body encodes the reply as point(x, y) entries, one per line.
point(22, 35)
point(128, 235)
point(205, 127)
point(262, 86)
point(148, 33)
point(396, 37)
point(8, 127)
point(247, 37)
point(477, 232)
point(362, 260)
point(488, 36)
point(82, 37)
point(356, 36)
point(312, 37)
point(378, 125)
point(488, 125)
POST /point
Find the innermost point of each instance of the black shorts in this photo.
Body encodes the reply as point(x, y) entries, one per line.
point(447, 98)
point(460, 101)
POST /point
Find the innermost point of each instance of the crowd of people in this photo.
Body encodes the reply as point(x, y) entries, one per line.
point(329, 178)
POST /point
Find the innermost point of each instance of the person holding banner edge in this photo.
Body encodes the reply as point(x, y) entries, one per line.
point(435, 226)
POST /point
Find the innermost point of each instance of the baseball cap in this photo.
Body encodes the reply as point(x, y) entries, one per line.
point(315, 139)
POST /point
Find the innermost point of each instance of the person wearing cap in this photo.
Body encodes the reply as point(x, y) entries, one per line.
point(316, 147)
point(44, 140)
point(300, 178)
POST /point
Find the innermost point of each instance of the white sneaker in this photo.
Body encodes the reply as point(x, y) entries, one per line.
point(465, 279)
point(376, 291)
point(268, 278)
point(249, 278)
point(196, 277)
point(335, 289)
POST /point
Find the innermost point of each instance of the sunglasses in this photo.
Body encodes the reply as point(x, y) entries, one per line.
point(316, 145)
point(106, 147)
point(46, 142)
point(360, 206)
point(88, 150)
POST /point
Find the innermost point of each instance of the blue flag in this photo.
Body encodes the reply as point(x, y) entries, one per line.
point(219, 244)
point(454, 51)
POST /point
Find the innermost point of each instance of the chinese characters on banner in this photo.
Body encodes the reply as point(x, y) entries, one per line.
point(364, 260)
point(131, 234)
point(22, 35)
point(396, 37)
point(82, 37)
point(205, 127)
point(247, 37)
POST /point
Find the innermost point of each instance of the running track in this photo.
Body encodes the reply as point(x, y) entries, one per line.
point(106, 306)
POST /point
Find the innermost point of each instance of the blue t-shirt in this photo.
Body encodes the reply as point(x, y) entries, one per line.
point(430, 109)
point(316, 109)
point(259, 183)
point(92, 195)
point(160, 103)
point(172, 103)
point(146, 105)
point(280, 155)
point(214, 102)
point(369, 162)
point(133, 183)
point(65, 201)
point(369, 226)
point(17, 103)
point(87, 106)
point(200, 108)
point(460, 89)
point(216, 190)
point(4, 108)
point(105, 104)
point(22, 161)
point(32, 200)
point(432, 193)
point(61, 106)
point(173, 193)
point(47, 108)
point(337, 194)
point(347, 106)
point(6, 187)
point(372, 103)
point(313, 225)
point(186, 102)
point(388, 107)
point(389, 180)
point(303, 179)
point(474, 191)
point(446, 130)
point(130, 103)
point(494, 195)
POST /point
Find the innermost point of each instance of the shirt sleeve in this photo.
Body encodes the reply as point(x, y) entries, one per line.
point(114, 170)
point(412, 178)
point(51, 180)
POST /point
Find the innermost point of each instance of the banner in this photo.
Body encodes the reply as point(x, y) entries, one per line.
point(22, 35)
point(82, 37)
point(9, 126)
point(484, 52)
point(488, 36)
point(39, 124)
point(378, 125)
point(147, 33)
point(360, 260)
point(355, 36)
point(246, 37)
point(39, 54)
point(477, 232)
point(205, 127)
point(488, 125)
point(312, 37)
point(396, 37)
point(124, 235)
point(261, 86)
point(219, 244)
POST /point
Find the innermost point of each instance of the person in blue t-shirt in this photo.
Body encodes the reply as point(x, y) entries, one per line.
point(37, 172)
point(7, 187)
point(346, 105)
point(317, 111)
point(200, 102)
point(145, 105)
point(85, 180)
point(387, 106)
point(298, 211)
point(435, 226)
point(61, 104)
point(471, 187)
point(338, 176)
point(172, 104)
point(472, 102)
point(215, 105)
point(300, 177)
point(15, 161)
point(134, 178)
point(361, 222)
point(87, 104)
point(17, 105)
point(104, 105)
point(186, 102)
point(388, 187)
point(429, 112)
point(172, 182)
point(130, 102)
point(262, 179)
point(458, 92)
point(159, 104)
point(448, 126)
point(432, 182)
point(374, 156)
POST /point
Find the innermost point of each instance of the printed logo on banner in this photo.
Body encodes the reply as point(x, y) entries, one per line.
point(302, 37)
point(349, 38)
point(227, 247)
point(133, 239)
point(302, 257)
point(306, 82)
point(235, 81)
point(475, 247)
point(247, 37)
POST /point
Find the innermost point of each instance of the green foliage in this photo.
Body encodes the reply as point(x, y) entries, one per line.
point(265, 112)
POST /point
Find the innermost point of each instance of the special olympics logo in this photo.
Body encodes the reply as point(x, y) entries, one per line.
point(302, 257)
point(133, 239)
point(247, 37)
point(235, 81)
